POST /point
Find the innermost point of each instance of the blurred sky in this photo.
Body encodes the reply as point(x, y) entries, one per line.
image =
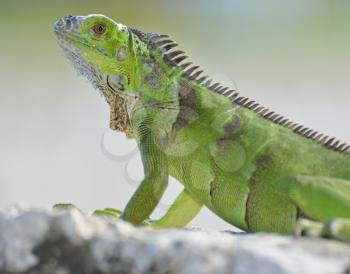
point(55, 146)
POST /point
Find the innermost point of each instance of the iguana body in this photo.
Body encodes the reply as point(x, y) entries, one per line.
point(252, 167)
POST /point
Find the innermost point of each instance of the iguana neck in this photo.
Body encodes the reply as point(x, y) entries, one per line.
point(157, 90)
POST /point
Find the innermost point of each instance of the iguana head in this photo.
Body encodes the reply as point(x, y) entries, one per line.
point(127, 65)
point(99, 49)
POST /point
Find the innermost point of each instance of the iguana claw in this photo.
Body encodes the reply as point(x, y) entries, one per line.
point(63, 206)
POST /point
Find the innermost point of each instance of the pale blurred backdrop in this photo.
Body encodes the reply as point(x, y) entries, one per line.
point(55, 146)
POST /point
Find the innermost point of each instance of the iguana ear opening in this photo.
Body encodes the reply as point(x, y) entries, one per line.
point(122, 54)
point(117, 82)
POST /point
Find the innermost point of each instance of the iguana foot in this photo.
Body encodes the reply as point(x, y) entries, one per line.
point(63, 206)
point(108, 212)
point(113, 213)
point(305, 227)
point(338, 229)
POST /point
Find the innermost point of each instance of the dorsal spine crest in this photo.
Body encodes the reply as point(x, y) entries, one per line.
point(192, 73)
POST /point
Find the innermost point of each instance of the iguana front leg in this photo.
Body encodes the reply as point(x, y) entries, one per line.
point(151, 189)
point(325, 200)
point(149, 193)
point(180, 213)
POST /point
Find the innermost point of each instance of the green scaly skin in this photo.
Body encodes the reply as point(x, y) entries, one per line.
point(253, 169)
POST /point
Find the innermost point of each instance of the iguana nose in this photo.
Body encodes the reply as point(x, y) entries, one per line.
point(67, 23)
point(59, 24)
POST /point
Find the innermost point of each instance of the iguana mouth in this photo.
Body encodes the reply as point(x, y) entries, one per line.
point(68, 23)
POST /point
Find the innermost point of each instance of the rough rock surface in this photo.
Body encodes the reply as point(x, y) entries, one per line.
point(62, 243)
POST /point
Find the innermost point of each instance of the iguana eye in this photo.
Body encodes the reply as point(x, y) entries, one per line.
point(99, 29)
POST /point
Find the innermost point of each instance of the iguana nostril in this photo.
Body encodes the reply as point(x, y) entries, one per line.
point(59, 23)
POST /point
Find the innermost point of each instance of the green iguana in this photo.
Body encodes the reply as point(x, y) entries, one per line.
point(249, 165)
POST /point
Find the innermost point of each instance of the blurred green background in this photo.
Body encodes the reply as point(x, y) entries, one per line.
point(291, 55)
